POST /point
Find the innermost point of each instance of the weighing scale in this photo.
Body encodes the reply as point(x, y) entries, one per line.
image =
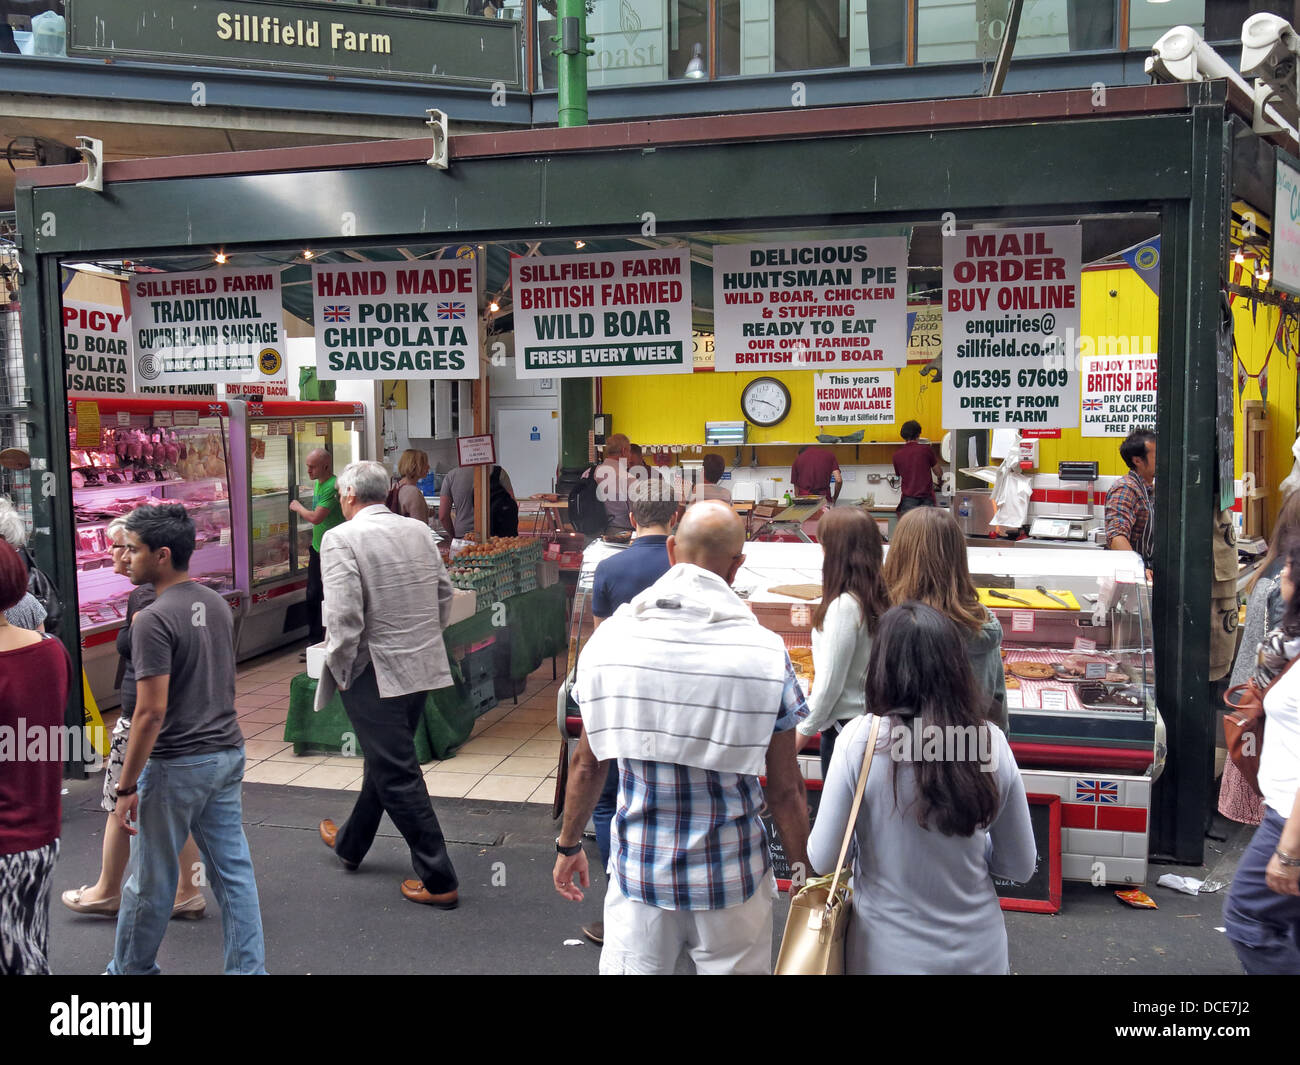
point(1068, 526)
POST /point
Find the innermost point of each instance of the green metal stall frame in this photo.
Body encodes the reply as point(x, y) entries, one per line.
point(1163, 149)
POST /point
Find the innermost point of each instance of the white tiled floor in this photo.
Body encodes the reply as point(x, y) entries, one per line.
point(511, 756)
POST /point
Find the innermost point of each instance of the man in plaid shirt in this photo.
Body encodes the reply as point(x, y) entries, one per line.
point(690, 864)
point(1128, 503)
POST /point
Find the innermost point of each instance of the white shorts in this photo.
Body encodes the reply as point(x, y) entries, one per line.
point(116, 756)
point(645, 940)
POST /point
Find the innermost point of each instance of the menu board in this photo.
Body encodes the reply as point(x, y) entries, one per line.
point(399, 321)
point(207, 326)
point(1010, 328)
point(603, 315)
point(811, 305)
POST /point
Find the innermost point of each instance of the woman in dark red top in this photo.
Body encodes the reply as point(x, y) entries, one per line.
point(34, 677)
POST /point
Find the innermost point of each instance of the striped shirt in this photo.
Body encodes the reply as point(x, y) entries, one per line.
point(1128, 513)
point(691, 839)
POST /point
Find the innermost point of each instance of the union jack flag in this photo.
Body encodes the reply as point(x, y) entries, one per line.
point(1092, 404)
point(1098, 791)
point(336, 312)
point(451, 309)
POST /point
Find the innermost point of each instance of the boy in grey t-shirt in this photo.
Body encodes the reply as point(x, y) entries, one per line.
point(184, 764)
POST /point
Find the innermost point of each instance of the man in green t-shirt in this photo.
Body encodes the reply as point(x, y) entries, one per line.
point(323, 516)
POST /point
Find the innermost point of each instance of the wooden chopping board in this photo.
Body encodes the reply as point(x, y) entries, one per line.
point(1034, 600)
point(798, 591)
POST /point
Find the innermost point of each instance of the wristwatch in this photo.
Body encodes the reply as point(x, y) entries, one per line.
point(568, 852)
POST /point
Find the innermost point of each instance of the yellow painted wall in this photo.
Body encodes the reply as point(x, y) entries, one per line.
point(672, 409)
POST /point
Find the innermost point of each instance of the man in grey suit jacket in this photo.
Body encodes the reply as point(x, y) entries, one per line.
point(384, 654)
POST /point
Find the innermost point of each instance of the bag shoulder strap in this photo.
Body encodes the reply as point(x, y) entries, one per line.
point(857, 805)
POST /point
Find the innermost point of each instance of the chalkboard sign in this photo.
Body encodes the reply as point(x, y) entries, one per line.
point(1042, 892)
point(780, 863)
point(1224, 413)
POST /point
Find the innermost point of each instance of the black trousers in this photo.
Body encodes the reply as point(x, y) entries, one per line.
point(393, 783)
point(315, 597)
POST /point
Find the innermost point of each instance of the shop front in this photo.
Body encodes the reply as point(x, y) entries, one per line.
point(797, 241)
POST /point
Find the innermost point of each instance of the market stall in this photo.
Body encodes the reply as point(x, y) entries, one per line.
point(877, 184)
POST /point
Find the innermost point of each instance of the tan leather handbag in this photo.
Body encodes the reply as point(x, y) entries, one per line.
point(813, 943)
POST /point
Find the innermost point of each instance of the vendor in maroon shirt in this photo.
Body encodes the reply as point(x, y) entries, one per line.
point(913, 463)
point(816, 472)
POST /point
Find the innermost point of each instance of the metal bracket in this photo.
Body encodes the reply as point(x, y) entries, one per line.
point(92, 151)
point(438, 124)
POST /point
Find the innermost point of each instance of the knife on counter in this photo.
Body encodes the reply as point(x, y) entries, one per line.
point(1053, 598)
point(998, 594)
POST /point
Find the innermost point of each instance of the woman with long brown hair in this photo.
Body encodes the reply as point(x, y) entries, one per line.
point(927, 563)
point(853, 599)
point(1238, 801)
point(943, 809)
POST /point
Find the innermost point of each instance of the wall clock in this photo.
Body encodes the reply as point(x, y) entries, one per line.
point(765, 401)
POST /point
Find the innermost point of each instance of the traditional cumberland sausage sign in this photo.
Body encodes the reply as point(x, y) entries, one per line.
point(853, 398)
point(1010, 322)
point(97, 347)
point(811, 304)
point(416, 320)
point(603, 315)
point(213, 325)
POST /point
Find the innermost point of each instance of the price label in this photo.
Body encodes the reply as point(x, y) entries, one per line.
point(1081, 644)
point(1022, 621)
point(225, 538)
point(124, 417)
point(1095, 671)
point(187, 417)
point(162, 417)
point(1015, 699)
point(1053, 699)
point(88, 432)
point(322, 428)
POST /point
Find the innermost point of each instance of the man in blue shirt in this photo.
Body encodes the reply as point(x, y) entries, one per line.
point(618, 580)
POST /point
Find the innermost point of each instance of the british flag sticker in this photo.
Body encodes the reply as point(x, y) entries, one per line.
point(1096, 791)
point(449, 309)
point(337, 312)
point(1092, 404)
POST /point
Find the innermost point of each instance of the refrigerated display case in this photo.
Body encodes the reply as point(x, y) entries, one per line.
point(270, 445)
point(131, 451)
point(1079, 662)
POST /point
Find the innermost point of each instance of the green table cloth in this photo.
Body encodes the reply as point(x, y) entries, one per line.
point(535, 628)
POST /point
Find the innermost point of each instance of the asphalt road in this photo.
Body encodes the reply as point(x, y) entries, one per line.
point(321, 919)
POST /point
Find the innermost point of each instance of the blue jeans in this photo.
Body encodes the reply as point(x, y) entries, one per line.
point(199, 794)
point(606, 806)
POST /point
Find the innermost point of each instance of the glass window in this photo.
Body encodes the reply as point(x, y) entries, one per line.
point(1148, 22)
point(764, 36)
point(965, 30)
point(1223, 18)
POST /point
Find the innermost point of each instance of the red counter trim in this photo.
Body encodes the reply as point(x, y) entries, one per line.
point(1061, 756)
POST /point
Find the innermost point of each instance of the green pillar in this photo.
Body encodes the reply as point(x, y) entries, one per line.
point(577, 404)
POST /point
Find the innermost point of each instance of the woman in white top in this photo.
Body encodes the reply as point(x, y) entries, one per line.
point(1262, 912)
point(943, 812)
point(853, 598)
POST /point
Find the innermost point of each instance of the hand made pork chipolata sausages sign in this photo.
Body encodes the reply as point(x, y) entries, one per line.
point(412, 320)
point(1010, 322)
point(602, 315)
point(811, 305)
point(211, 325)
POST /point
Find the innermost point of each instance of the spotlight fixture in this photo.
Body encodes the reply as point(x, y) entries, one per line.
point(579, 244)
point(220, 258)
point(494, 306)
point(1239, 258)
point(695, 69)
point(1262, 275)
point(307, 253)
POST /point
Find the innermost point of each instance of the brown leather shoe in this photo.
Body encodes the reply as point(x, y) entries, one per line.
point(328, 831)
point(416, 892)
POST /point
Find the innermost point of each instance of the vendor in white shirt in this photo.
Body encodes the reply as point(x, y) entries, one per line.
point(1262, 912)
point(853, 600)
